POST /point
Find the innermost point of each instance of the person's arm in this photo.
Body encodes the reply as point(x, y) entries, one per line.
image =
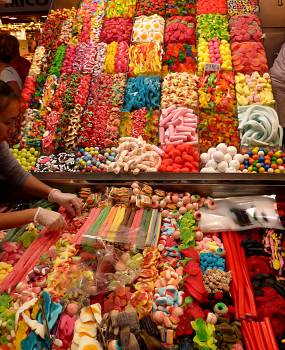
point(35, 187)
point(52, 220)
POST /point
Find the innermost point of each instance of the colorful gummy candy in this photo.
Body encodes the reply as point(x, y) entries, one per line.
point(116, 60)
point(182, 158)
point(217, 93)
point(119, 29)
point(148, 28)
point(212, 26)
point(263, 160)
point(179, 89)
point(180, 29)
point(249, 57)
point(32, 129)
point(179, 58)
point(241, 7)
point(212, 6)
point(57, 61)
point(142, 92)
point(245, 28)
point(180, 7)
point(120, 8)
point(149, 8)
point(145, 59)
point(214, 51)
point(140, 123)
point(67, 65)
point(254, 88)
point(219, 128)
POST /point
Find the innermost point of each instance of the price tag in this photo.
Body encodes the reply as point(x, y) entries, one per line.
point(212, 67)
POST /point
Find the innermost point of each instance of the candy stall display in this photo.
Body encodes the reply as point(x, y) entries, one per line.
point(135, 269)
point(111, 70)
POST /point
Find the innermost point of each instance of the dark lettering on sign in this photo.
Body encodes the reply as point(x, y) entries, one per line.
point(24, 3)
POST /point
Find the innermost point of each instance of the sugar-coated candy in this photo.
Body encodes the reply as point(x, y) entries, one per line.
point(142, 123)
point(148, 28)
point(179, 89)
point(215, 51)
point(28, 92)
point(57, 61)
point(36, 65)
point(241, 7)
point(217, 128)
point(32, 128)
point(263, 160)
point(217, 93)
point(116, 60)
point(245, 28)
point(183, 158)
point(212, 26)
point(180, 8)
point(221, 159)
point(135, 155)
point(212, 6)
point(179, 58)
point(145, 59)
point(254, 88)
point(119, 29)
point(149, 8)
point(142, 92)
point(25, 156)
point(92, 159)
point(249, 57)
point(177, 125)
point(259, 126)
point(120, 8)
point(180, 29)
point(67, 65)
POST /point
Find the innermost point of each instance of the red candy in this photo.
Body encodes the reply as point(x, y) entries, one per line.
point(245, 28)
point(180, 29)
point(249, 57)
point(117, 29)
point(212, 6)
point(180, 159)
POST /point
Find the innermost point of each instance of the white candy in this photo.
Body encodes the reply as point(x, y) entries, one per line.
point(232, 150)
point(208, 170)
point(218, 156)
point(211, 164)
point(204, 158)
point(231, 170)
point(235, 164)
point(228, 157)
point(239, 157)
point(245, 171)
point(222, 167)
point(211, 150)
point(222, 147)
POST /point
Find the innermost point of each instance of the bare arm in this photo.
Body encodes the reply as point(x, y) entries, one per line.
point(16, 219)
point(35, 187)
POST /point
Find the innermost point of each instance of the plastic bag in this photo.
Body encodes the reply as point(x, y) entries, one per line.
point(240, 213)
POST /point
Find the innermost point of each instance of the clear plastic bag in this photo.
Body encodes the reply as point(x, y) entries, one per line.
point(240, 213)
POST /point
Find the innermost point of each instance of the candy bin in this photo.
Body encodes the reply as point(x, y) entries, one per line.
point(25, 156)
point(148, 28)
point(180, 8)
point(179, 89)
point(263, 160)
point(212, 6)
point(145, 59)
point(148, 8)
point(92, 159)
point(210, 26)
point(217, 93)
point(120, 8)
point(180, 29)
point(119, 29)
point(217, 128)
point(249, 57)
point(245, 28)
point(179, 58)
point(242, 7)
point(180, 158)
point(142, 92)
point(214, 51)
point(116, 60)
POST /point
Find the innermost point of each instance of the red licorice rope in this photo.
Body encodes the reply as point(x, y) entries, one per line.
point(84, 228)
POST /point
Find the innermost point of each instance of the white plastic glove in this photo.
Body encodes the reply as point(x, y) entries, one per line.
point(67, 200)
point(52, 220)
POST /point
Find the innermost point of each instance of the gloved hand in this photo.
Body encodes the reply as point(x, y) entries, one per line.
point(69, 201)
point(52, 220)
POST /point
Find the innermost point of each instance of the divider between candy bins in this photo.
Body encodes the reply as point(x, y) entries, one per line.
point(145, 268)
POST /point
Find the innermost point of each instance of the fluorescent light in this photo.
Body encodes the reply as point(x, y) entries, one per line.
point(12, 17)
point(44, 16)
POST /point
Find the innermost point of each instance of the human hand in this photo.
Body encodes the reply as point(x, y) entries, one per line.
point(69, 201)
point(52, 220)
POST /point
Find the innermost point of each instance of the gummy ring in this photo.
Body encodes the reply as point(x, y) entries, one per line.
point(220, 309)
